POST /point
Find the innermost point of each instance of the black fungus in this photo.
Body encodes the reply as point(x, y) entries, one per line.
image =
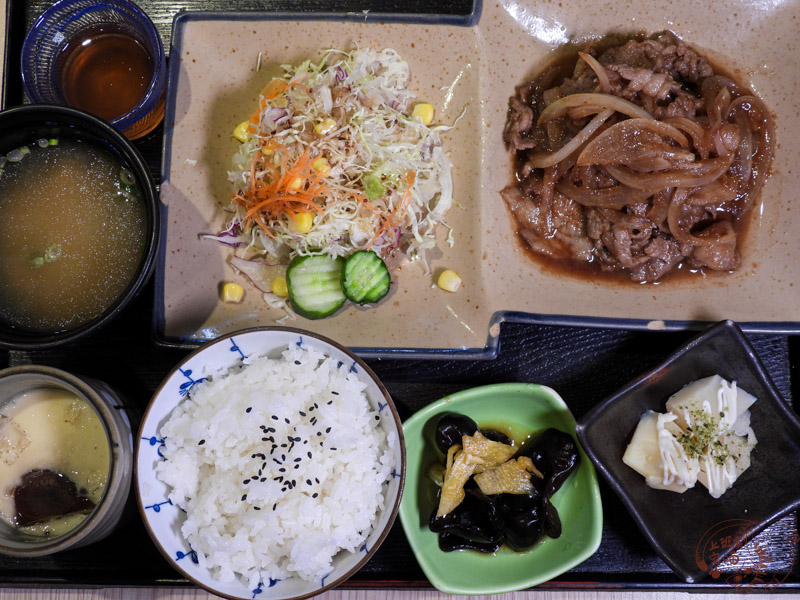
point(450, 428)
point(520, 521)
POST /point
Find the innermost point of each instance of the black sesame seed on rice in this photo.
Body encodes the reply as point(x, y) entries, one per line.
point(201, 442)
point(308, 482)
point(274, 417)
point(274, 506)
point(308, 454)
point(256, 508)
point(328, 430)
point(248, 409)
point(244, 497)
point(245, 482)
point(302, 414)
point(287, 420)
point(314, 495)
point(334, 392)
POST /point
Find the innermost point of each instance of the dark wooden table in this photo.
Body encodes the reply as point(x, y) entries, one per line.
point(583, 365)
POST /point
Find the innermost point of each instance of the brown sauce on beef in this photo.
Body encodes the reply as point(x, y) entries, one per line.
point(602, 258)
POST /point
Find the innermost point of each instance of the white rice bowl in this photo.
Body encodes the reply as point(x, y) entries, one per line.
point(270, 464)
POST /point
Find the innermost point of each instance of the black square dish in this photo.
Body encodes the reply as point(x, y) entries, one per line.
point(686, 529)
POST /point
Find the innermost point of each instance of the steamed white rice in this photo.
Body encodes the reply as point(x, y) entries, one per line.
point(279, 465)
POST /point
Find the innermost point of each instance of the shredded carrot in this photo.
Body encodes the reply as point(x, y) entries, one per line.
point(272, 90)
point(389, 220)
point(267, 197)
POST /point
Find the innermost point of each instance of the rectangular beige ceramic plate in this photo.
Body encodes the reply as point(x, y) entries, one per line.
point(471, 69)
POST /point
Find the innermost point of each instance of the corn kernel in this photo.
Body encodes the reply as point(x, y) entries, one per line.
point(325, 126)
point(267, 151)
point(279, 287)
point(232, 292)
point(424, 112)
point(241, 131)
point(302, 222)
point(449, 281)
point(322, 166)
point(295, 183)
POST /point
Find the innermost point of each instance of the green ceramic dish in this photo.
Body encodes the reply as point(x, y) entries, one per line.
point(524, 408)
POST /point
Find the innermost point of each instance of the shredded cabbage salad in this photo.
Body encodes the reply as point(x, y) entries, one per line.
point(332, 162)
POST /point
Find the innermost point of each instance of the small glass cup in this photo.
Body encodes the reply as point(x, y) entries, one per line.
point(102, 57)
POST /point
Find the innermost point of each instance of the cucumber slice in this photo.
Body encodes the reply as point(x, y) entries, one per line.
point(315, 285)
point(365, 277)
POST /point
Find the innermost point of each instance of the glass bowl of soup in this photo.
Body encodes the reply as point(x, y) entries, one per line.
point(79, 225)
point(66, 460)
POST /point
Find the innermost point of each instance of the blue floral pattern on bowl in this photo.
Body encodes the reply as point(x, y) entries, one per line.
point(163, 519)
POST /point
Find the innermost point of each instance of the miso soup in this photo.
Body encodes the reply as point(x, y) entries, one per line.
point(72, 233)
point(54, 461)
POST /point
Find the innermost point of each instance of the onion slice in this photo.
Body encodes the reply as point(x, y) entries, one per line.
point(628, 220)
point(695, 132)
point(612, 197)
point(683, 235)
point(601, 101)
point(634, 139)
point(541, 160)
point(603, 84)
point(694, 174)
point(259, 272)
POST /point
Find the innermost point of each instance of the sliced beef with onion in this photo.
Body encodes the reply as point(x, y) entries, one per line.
point(637, 158)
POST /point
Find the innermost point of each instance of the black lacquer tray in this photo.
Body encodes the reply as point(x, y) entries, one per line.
point(583, 365)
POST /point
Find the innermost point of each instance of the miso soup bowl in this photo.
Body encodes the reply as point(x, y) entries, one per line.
point(25, 124)
point(110, 510)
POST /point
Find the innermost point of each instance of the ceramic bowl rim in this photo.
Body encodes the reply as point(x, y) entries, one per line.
point(87, 124)
point(424, 413)
point(391, 511)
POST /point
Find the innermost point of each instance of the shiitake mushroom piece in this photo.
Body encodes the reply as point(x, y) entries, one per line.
point(44, 494)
